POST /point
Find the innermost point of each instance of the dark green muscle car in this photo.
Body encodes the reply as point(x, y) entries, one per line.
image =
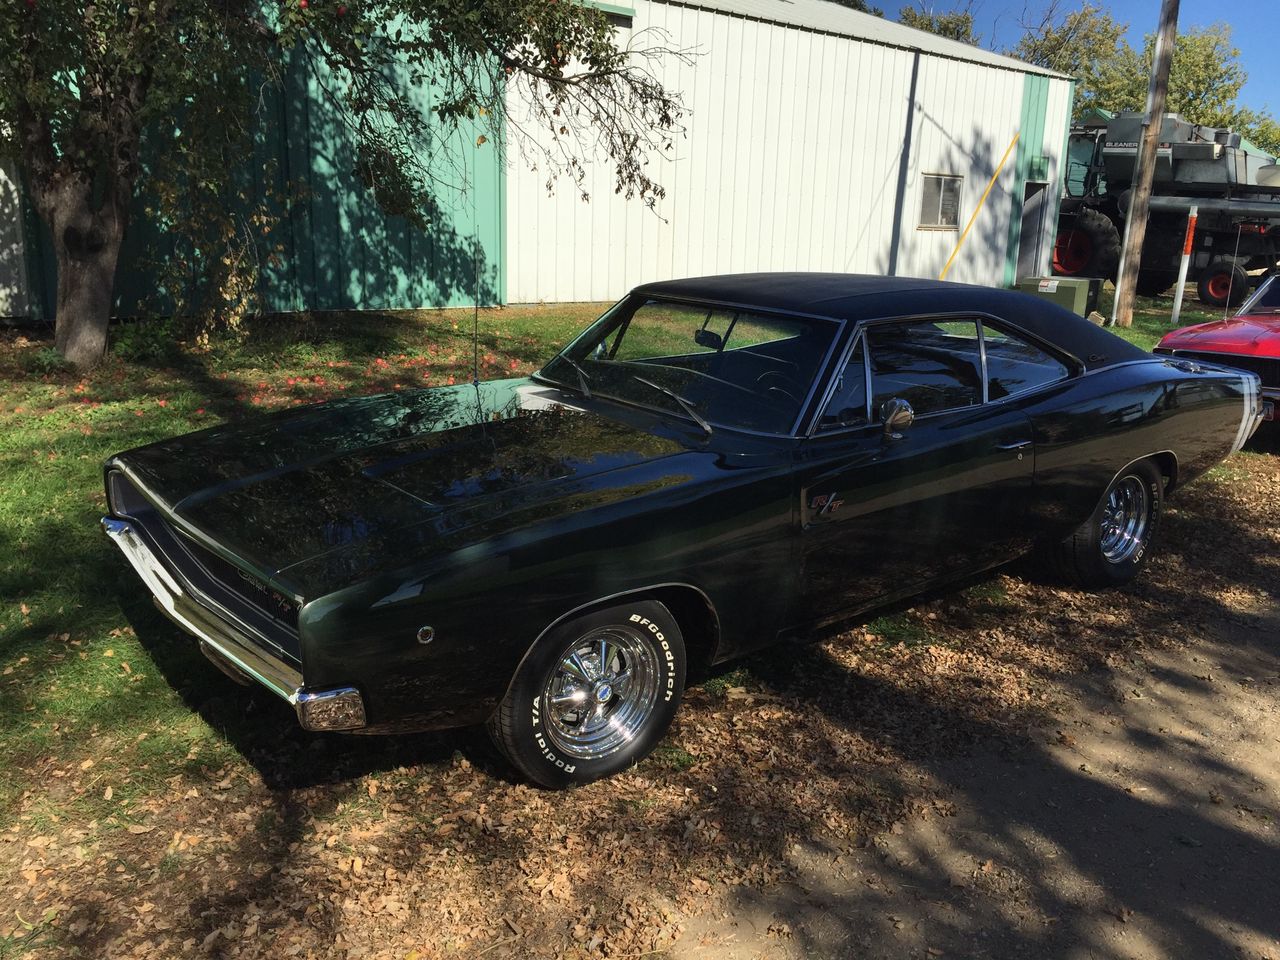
point(714, 465)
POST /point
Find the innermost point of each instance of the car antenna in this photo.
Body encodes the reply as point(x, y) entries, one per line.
point(1236, 258)
point(475, 296)
point(475, 315)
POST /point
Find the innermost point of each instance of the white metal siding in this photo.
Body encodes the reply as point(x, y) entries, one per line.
point(966, 117)
point(791, 162)
point(14, 298)
point(823, 16)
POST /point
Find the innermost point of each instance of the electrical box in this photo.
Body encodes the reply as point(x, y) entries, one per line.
point(1077, 294)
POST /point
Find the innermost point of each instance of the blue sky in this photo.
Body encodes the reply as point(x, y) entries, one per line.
point(1255, 30)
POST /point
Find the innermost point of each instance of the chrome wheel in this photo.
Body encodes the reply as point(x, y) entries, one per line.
point(1124, 520)
point(601, 693)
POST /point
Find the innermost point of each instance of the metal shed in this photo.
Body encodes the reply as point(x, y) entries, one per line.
point(820, 138)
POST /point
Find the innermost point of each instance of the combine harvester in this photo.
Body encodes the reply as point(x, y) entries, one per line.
point(1234, 185)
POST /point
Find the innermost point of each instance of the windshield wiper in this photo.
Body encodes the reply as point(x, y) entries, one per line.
point(583, 380)
point(684, 404)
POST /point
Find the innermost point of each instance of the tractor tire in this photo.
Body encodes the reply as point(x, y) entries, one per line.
point(1088, 246)
point(1223, 284)
point(1152, 283)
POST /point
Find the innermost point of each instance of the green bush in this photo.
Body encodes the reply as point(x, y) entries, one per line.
point(46, 360)
point(142, 341)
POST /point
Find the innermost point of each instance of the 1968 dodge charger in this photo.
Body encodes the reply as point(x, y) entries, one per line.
point(714, 465)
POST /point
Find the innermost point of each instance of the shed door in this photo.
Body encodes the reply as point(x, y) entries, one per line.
point(1031, 246)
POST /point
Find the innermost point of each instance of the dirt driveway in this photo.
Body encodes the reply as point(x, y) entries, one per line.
point(1144, 825)
point(1014, 770)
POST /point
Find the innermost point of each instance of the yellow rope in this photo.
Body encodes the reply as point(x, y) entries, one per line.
point(977, 210)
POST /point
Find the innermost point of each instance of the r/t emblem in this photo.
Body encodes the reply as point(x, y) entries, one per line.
point(825, 503)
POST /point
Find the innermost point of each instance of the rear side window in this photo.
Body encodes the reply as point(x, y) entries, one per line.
point(1015, 365)
point(934, 365)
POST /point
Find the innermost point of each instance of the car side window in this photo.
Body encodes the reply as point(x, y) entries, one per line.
point(934, 365)
point(1015, 365)
point(848, 405)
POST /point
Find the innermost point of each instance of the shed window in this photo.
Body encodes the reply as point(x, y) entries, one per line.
point(940, 201)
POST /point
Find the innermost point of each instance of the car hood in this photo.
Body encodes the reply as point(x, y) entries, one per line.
point(343, 476)
point(1253, 336)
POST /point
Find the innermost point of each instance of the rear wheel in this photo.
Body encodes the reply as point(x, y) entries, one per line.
point(1112, 546)
point(594, 696)
point(1223, 284)
point(1087, 246)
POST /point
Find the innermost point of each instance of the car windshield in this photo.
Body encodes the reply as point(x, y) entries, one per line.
point(716, 366)
point(1266, 299)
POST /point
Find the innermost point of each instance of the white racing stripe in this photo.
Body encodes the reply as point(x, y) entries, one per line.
point(1249, 418)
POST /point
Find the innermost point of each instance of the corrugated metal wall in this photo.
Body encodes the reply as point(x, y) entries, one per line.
point(792, 161)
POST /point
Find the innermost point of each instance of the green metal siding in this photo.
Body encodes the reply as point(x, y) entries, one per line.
point(617, 9)
point(1035, 106)
point(339, 251)
point(1066, 155)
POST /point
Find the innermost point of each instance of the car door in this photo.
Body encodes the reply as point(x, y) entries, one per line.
point(886, 512)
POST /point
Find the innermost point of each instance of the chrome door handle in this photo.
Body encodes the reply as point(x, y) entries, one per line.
point(1016, 445)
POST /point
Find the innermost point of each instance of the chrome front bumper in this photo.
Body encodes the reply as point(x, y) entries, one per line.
point(339, 708)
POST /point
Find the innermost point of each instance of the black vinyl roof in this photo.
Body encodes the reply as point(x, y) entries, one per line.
point(855, 297)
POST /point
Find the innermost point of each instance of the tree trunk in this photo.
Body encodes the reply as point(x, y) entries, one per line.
point(86, 241)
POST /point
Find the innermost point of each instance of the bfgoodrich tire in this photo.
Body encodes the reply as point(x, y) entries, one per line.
point(594, 696)
point(1113, 545)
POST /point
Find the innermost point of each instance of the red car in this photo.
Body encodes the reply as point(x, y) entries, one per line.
point(1250, 340)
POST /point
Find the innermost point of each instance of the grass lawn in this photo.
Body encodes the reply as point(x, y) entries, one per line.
point(1151, 315)
point(110, 721)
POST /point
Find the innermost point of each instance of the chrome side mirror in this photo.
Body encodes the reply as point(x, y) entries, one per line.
point(897, 415)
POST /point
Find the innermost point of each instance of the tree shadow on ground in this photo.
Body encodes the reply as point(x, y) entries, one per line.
point(1189, 877)
point(264, 729)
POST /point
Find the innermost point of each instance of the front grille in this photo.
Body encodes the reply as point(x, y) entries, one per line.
point(214, 582)
point(1265, 367)
point(271, 602)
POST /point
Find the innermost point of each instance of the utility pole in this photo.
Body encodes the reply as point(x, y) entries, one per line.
point(1135, 225)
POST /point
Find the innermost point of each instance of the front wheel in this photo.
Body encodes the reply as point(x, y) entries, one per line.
point(1113, 545)
point(594, 696)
